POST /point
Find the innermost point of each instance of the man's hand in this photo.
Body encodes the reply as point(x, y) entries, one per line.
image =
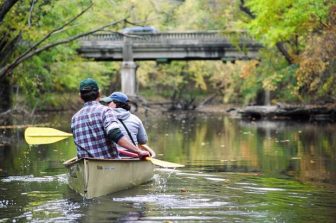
point(143, 154)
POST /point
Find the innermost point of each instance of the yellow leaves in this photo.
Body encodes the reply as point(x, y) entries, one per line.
point(317, 62)
point(311, 67)
point(310, 72)
point(144, 73)
point(199, 81)
point(200, 70)
point(249, 69)
point(270, 83)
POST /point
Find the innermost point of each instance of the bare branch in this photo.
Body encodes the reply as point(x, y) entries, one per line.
point(31, 12)
point(284, 52)
point(141, 23)
point(53, 32)
point(10, 67)
point(246, 9)
point(7, 48)
point(5, 7)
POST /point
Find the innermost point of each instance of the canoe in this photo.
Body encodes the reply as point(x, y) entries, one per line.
point(92, 177)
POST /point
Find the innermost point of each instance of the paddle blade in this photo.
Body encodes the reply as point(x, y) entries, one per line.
point(162, 163)
point(42, 135)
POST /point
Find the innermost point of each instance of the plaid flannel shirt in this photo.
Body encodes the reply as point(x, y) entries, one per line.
point(90, 126)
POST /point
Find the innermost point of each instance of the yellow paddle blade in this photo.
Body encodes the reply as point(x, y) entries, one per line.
point(42, 135)
point(157, 162)
point(162, 163)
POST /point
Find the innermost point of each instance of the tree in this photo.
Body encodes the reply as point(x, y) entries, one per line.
point(285, 24)
point(290, 26)
point(317, 64)
point(41, 28)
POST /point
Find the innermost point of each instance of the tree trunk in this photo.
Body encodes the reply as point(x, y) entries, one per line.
point(5, 7)
point(5, 94)
point(280, 45)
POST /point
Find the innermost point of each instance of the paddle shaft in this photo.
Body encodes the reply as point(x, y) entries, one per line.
point(42, 135)
point(156, 162)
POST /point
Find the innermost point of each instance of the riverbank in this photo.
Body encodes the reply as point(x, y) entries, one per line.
point(157, 106)
point(326, 112)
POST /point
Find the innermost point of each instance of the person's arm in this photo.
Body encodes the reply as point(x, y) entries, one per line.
point(113, 132)
point(124, 142)
point(116, 136)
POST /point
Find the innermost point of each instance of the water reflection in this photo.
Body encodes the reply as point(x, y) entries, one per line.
point(236, 171)
point(303, 150)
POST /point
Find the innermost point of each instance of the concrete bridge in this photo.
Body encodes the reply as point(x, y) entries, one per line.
point(210, 45)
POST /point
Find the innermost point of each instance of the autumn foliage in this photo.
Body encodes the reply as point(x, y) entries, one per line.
point(316, 74)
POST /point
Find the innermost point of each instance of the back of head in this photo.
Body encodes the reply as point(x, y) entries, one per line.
point(89, 90)
point(119, 99)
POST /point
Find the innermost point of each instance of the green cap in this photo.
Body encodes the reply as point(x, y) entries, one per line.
point(88, 85)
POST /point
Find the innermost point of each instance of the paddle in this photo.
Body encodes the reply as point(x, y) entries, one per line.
point(43, 135)
point(153, 160)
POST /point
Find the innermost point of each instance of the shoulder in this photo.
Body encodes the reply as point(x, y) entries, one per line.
point(107, 113)
point(77, 114)
point(136, 118)
point(106, 110)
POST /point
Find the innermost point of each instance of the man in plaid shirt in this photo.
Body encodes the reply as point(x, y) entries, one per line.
point(95, 128)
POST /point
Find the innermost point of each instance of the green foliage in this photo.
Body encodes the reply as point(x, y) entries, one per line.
point(182, 82)
point(42, 83)
point(206, 15)
point(283, 20)
point(301, 25)
point(59, 69)
point(276, 76)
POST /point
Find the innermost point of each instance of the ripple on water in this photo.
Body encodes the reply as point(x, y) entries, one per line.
point(6, 203)
point(195, 207)
point(62, 178)
point(174, 201)
point(61, 210)
point(216, 179)
point(257, 189)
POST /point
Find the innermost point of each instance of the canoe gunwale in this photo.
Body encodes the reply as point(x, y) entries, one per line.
point(74, 160)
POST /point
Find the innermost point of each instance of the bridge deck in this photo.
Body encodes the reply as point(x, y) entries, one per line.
point(177, 46)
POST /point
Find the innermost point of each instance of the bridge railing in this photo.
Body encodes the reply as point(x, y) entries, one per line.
point(161, 37)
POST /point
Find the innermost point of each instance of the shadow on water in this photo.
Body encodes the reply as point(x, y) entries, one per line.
point(236, 171)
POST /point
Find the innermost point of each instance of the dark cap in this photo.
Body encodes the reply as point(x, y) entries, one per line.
point(88, 85)
point(116, 96)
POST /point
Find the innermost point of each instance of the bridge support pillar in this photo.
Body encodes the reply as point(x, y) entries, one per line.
point(128, 78)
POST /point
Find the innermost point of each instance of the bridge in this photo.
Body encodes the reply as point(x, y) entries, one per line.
point(167, 46)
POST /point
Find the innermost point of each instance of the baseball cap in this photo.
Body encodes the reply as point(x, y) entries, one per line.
point(116, 96)
point(88, 85)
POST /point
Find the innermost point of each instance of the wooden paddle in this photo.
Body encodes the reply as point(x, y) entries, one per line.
point(43, 135)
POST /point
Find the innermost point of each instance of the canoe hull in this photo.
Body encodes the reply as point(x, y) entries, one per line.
point(97, 177)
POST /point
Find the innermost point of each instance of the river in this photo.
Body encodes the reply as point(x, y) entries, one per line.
point(235, 171)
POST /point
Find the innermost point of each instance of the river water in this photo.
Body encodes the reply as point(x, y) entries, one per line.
point(236, 171)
